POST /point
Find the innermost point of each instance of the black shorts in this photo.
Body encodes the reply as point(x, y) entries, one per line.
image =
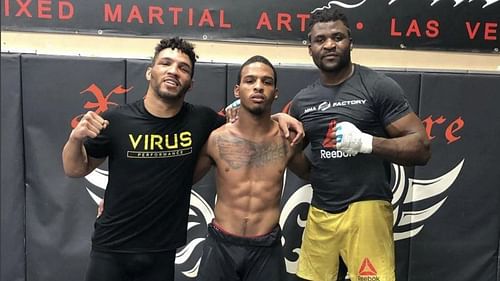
point(107, 266)
point(232, 258)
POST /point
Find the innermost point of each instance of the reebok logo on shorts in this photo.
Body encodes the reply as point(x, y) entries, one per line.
point(367, 271)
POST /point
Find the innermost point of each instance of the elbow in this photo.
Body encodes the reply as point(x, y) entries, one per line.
point(302, 176)
point(305, 176)
point(426, 158)
point(196, 179)
point(419, 156)
point(423, 159)
point(425, 154)
point(428, 155)
point(70, 174)
point(73, 174)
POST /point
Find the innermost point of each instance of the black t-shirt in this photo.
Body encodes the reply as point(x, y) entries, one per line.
point(151, 165)
point(370, 101)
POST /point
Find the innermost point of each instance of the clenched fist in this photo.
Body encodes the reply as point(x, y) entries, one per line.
point(90, 126)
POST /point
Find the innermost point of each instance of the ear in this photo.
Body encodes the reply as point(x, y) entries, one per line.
point(236, 91)
point(276, 93)
point(191, 85)
point(351, 44)
point(309, 49)
point(148, 73)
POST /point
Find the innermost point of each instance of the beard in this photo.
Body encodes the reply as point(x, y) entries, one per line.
point(170, 95)
point(342, 62)
point(257, 110)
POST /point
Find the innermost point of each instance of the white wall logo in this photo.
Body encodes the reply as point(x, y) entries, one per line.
point(418, 190)
point(407, 223)
point(360, 3)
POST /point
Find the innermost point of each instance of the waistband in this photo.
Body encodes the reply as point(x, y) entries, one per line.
point(265, 240)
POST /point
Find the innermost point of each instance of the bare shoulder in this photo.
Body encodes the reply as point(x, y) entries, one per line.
point(220, 137)
point(219, 132)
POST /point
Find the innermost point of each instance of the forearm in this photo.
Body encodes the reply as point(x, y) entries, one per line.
point(287, 123)
point(408, 150)
point(203, 164)
point(301, 172)
point(200, 171)
point(407, 144)
point(300, 166)
point(276, 116)
point(75, 160)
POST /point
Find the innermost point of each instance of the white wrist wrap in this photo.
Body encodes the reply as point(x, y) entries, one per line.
point(366, 143)
point(351, 140)
point(234, 104)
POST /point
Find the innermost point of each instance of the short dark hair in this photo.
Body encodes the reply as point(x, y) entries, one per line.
point(327, 15)
point(179, 44)
point(260, 59)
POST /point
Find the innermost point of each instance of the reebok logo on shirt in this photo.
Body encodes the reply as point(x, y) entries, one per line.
point(328, 142)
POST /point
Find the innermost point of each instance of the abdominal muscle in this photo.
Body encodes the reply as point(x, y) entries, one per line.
point(250, 208)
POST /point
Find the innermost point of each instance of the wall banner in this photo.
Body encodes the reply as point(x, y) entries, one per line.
point(458, 25)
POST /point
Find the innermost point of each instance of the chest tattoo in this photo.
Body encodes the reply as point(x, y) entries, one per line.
point(238, 152)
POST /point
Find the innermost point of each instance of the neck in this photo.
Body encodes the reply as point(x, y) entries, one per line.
point(337, 77)
point(162, 108)
point(254, 125)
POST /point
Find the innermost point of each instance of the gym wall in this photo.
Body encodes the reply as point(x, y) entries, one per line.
point(446, 220)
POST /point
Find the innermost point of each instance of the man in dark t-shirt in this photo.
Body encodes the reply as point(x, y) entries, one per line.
point(152, 146)
point(358, 122)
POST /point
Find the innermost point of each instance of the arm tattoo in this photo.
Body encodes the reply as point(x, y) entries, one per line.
point(238, 152)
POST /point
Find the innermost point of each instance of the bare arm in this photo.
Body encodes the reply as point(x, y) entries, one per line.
point(287, 122)
point(299, 163)
point(204, 163)
point(408, 145)
point(76, 162)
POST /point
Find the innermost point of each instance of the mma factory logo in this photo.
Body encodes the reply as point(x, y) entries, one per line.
point(325, 105)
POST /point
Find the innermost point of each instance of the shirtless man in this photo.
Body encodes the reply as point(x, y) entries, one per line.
point(250, 155)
